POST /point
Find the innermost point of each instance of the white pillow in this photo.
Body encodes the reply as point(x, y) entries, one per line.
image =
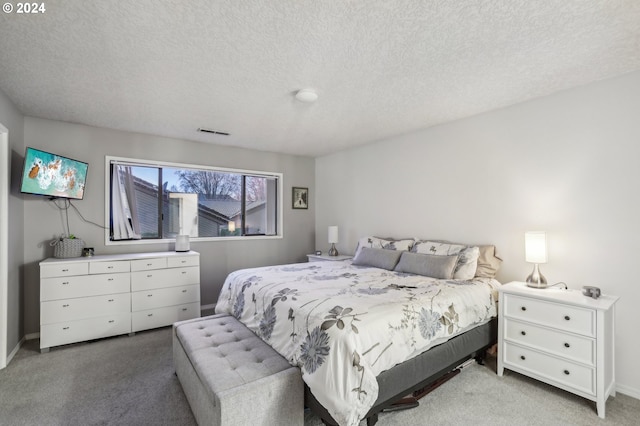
point(467, 256)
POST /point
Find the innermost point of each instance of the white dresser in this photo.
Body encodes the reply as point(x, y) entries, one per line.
point(560, 337)
point(93, 297)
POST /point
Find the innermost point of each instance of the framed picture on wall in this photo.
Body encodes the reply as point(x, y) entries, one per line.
point(300, 198)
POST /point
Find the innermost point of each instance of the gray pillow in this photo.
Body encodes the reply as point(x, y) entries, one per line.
point(378, 258)
point(429, 265)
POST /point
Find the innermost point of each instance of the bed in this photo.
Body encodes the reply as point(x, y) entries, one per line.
point(365, 331)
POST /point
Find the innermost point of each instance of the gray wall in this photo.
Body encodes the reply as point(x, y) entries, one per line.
point(43, 221)
point(13, 120)
point(566, 164)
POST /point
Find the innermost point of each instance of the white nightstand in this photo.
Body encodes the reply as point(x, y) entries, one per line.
point(559, 337)
point(327, 258)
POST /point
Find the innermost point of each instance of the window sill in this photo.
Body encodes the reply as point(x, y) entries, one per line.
point(192, 240)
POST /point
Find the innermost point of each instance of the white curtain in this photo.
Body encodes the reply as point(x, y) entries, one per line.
point(125, 218)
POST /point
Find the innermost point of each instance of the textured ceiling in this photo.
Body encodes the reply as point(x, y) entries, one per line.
point(381, 68)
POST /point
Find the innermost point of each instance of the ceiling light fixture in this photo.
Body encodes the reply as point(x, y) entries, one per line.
point(306, 95)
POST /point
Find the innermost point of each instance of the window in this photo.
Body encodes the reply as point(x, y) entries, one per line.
point(151, 201)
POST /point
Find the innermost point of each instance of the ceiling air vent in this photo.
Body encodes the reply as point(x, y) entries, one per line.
point(215, 132)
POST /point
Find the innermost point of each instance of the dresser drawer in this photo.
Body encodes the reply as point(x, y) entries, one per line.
point(56, 269)
point(160, 317)
point(109, 267)
point(148, 264)
point(178, 261)
point(575, 347)
point(92, 328)
point(81, 308)
point(82, 286)
point(172, 277)
point(564, 317)
point(557, 370)
point(157, 298)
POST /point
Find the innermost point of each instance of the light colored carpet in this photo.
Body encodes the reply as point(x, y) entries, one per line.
point(130, 381)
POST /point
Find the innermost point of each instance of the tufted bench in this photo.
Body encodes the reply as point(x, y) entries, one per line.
point(232, 378)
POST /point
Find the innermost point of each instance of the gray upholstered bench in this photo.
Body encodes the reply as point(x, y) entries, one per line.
point(232, 378)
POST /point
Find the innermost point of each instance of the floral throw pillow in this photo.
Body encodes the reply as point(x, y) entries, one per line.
point(384, 243)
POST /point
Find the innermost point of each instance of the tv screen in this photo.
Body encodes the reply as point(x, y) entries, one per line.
point(53, 175)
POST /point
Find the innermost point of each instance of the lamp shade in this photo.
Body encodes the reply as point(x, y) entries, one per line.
point(231, 226)
point(333, 234)
point(535, 247)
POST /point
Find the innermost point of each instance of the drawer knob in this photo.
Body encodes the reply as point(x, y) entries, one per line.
point(149, 315)
point(524, 333)
point(65, 328)
point(567, 317)
point(149, 276)
point(65, 306)
point(110, 300)
point(149, 295)
point(149, 264)
point(109, 267)
point(567, 372)
point(522, 357)
point(524, 308)
point(566, 345)
point(184, 291)
point(184, 309)
point(110, 279)
point(111, 321)
point(184, 272)
point(65, 283)
point(65, 270)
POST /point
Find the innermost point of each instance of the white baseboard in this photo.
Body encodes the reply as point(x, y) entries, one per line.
point(32, 336)
point(15, 350)
point(629, 391)
point(211, 306)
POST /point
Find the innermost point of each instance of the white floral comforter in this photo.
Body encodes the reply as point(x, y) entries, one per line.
point(344, 324)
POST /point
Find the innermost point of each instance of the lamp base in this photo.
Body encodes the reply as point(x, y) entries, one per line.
point(333, 251)
point(536, 279)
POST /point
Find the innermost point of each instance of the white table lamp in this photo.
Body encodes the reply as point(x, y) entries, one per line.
point(333, 239)
point(535, 248)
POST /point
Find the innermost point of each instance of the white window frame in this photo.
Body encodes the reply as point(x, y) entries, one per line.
point(153, 163)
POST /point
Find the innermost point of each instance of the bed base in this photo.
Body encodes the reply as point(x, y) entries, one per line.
point(403, 379)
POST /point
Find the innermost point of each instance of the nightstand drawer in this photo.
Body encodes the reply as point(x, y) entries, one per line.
point(560, 371)
point(571, 346)
point(561, 316)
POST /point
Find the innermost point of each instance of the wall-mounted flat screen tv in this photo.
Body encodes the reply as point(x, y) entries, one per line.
point(53, 175)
